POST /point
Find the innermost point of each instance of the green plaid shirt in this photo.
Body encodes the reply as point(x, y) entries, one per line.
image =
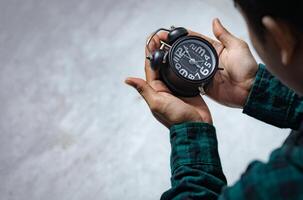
point(195, 162)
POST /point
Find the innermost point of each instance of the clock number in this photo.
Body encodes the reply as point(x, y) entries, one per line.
point(207, 64)
point(204, 72)
point(198, 50)
point(183, 72)
point(178, 66)
point(180, 52)
point(206, 57)
point(198, 75)
point(192, 77)
point(176, 59)
point(193, 47)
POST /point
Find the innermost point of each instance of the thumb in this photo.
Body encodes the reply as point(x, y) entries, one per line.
point(222, 34)
point(146, 91)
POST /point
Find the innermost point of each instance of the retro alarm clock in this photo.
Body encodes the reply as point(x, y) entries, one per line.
point(186, 63)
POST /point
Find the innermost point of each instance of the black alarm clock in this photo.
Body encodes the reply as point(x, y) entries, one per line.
point(186, 63)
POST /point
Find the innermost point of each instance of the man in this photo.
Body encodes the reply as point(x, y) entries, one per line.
point(271, 94)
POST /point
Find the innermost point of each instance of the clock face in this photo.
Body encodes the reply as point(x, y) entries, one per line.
point(194, 59)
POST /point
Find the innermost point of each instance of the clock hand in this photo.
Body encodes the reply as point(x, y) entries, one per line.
point(186, 50)
point(186, 56)
point(197, 65)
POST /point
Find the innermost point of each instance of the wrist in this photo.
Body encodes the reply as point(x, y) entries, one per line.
point(254, 82)
point(249, 84)
point(202, 119)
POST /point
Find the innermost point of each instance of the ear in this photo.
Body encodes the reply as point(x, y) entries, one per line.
point(283, 36)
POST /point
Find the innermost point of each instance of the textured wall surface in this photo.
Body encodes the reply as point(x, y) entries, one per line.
point(70, 128)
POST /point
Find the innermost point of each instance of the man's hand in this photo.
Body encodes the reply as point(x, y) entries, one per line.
point(230, 86)
point(167, 108)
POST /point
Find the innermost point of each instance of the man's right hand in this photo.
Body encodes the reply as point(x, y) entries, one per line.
point(232, 85)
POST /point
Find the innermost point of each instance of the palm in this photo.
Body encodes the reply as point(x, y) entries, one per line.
point(178, 110)
point(231, 85)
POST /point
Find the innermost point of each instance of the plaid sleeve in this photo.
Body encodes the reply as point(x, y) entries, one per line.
point(274, 103)
point(280, 178)
point(195, 163)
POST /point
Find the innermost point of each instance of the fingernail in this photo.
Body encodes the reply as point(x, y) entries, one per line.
point(152, 44)
point(127, 81)
point(216, 21)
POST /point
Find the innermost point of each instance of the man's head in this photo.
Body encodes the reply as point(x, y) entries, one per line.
point(276, 31)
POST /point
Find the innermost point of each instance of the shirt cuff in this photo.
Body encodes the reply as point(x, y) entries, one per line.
point(194, 144)
point(270, 101)
point(257, 88)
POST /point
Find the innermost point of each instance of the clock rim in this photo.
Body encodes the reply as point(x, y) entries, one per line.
point(212, 48)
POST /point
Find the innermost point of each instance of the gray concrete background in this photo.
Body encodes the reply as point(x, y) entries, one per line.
point(70, 128)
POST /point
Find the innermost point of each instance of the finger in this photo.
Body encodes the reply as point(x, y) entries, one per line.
point(155, 41)
point(222, 34)
point(217, 45)
point(154, 44)
point(161, 36)
point(145, 90)
point(150, 74)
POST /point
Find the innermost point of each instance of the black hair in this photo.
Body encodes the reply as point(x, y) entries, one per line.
point(289, 11)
